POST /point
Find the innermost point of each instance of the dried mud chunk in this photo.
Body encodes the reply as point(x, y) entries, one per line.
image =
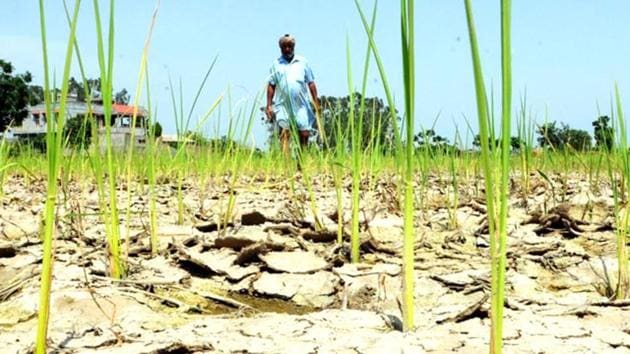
point(251, 253)
point(320, 236)
point(305, 289)
point(7, 250)
point(253, 218)
point(245, 237)
point(294, 262)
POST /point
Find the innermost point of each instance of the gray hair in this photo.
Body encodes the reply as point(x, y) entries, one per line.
point(286, 38)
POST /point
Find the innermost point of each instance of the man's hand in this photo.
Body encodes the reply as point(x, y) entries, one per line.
point(271, 115)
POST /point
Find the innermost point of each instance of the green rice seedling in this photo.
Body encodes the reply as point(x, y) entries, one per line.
point(373, 157)
point(408, 53)
point(454, 167)
point(525, 129)
point(355, 132)
point(622, 214)
point(595, 162)
point(567, 152)
point(5, 161)
point(304, 160)
point(404, 158)
point(54, 135)
point(183, 158)
point(355, 122)
point(468, 162)
point(130, 162)
point(497, 221)
point(26, 161)
point(397, 143)
point(89, 117)
point(478, 166)
point(151, 151)
point(181, 125)
point(106, 66)
point(383, 76)
point(374, 153)
point(424, 157)
point(338, 172)
point(308, 183)
point(237, 156)
point(356, 125)
point(231, 164)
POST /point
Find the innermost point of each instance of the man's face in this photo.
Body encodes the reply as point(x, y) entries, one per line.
point(287, 49)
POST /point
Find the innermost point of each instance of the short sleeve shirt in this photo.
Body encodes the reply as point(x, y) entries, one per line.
point(291, 82)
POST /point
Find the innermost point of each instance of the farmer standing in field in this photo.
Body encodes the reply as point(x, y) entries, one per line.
point(291, 80)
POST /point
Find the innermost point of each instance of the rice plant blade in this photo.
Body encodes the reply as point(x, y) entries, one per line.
point(200, 89)
point(499, 251)
point(53, 149)
point(408, 52)
point(356, 178)
point(106, 66)
point(482, 114)
point(623, 280)
point(381, 70)
point(136, 103)
point(496, 223)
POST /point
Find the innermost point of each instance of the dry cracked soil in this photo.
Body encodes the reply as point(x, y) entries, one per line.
point(274, 279)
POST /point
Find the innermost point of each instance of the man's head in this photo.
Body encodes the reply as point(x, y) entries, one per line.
point(287, 46)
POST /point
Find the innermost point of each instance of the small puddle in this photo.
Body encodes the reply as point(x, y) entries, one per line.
point(259, 304)
point(272, 305)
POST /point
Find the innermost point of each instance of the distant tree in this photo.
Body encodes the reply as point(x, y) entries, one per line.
point(603, 133)
point(550, 135)
point(196, 138)
point(35, 95)
point(157, 130)
point(14, 95)
point(477, 142)
point(517, 143)
point(77, 132)
point(122, 97)
point(77, 88)
point(575, 138)
point(427, 138)
point(424, 137)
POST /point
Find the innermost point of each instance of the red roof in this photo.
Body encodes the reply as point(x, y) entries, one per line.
point(124, 109)
point(121, 109)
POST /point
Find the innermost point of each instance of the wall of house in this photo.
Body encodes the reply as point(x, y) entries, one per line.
point(121, 138)
point(35, 124)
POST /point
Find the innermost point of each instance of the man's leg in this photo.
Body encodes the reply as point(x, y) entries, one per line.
point(285, 135)
point(304, 135)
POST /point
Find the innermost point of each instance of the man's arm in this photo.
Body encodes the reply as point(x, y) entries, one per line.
point(313, 89)
point(271, 90)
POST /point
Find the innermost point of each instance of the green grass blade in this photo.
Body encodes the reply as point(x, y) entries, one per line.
point(623, 280)
point(356, 173)
point(53, 148)
point(407, 39)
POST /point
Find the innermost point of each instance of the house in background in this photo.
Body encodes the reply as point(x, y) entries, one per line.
point(35, 123)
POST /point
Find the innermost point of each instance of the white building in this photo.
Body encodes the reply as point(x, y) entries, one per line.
point(121, 118)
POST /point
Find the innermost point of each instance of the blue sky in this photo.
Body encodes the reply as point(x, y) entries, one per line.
point(567, 54)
